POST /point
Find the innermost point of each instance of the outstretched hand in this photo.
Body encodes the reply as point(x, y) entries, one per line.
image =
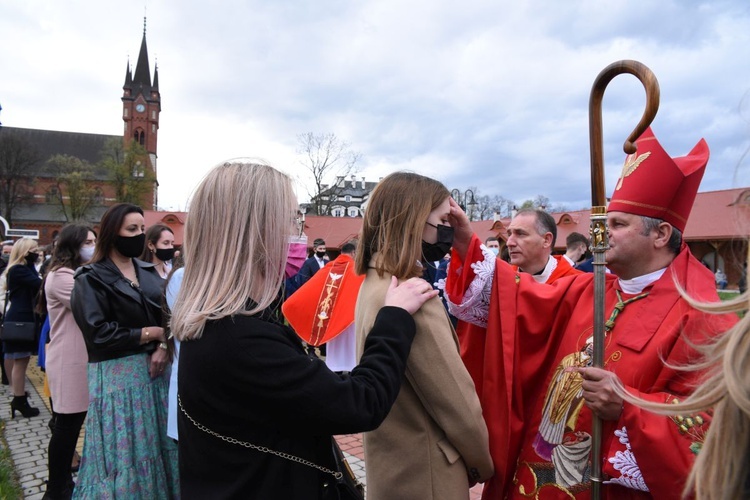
point(410, 294)
point(462, 231)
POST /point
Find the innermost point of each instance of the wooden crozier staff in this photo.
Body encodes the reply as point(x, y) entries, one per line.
point(599, 236)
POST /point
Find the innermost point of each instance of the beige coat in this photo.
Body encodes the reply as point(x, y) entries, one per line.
point(434, 438)
point(67, 359)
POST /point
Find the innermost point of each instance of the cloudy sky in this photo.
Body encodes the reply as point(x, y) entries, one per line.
point(483, 93)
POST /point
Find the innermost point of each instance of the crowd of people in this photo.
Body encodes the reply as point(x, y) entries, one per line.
point(504, 394)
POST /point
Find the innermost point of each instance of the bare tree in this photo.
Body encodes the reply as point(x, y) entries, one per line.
point(129, 171)
point(74, 191)
point(326, 158)
point(18, 158)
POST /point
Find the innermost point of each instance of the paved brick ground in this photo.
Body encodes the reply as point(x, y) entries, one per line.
point(28, 439)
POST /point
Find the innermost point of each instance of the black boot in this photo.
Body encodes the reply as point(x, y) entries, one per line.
point(51, 423)
point(21, 403)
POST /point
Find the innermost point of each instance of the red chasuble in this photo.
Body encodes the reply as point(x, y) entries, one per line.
point(540, 428)
point(324, 306)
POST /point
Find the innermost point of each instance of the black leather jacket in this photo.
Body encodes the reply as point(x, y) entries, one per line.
point(111, 312)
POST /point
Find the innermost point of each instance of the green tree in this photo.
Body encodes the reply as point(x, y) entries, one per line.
point(130, 172)
point(74, 190)
point(18, 158)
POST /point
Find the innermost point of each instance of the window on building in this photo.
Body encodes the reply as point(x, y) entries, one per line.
point(353, 212)
point(347, 198)
point(52, 195)
point(338, 212)
point(98, 196)
point(138, 169)
point(140, 137)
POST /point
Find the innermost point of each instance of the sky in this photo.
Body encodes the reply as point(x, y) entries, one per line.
point(485, 93)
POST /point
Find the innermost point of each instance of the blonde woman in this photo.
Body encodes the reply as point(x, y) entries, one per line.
point(434, 443)
point(22, 283)
point(722, 468)
point(245, 380)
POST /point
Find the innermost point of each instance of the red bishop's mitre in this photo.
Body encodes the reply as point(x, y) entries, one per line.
point(654, 185)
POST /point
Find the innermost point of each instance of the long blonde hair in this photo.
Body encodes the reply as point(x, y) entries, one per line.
point(394, 221)
point(722, 467)
point(236, 235)
point(18, 255)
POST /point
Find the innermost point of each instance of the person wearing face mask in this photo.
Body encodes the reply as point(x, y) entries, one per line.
point(159, 249)
point(116, 302)
point(434, 442)
point(493, 245)
point(67, 359)
point(22, 284)
point(313, 264)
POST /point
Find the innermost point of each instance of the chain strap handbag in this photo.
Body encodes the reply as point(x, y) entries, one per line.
point(16, 331)
point(344, 485)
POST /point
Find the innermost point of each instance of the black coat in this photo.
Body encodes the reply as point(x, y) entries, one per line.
point(23, 284)
point(250, 379)
point(111, 312)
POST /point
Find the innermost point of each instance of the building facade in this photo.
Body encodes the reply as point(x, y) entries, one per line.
point(44, 199)
point(346, 198)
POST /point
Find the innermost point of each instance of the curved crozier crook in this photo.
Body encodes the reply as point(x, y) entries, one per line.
point(648, 79)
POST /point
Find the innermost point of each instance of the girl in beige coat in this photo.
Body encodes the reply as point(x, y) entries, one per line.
point(434, 442)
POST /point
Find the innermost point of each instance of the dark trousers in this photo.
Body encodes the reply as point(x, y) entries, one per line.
point(62, 446)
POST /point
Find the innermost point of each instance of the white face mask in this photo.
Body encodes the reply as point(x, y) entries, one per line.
point(87, 252)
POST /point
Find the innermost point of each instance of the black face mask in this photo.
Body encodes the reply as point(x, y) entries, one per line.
point(31, 258)
point(436, 251)
point(130, 246)
point(164, 254)
point(320, 254)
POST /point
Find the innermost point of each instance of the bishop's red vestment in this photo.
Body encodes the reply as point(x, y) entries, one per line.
point(540, 428)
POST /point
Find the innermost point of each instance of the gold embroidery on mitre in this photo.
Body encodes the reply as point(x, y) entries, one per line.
point(631, 166)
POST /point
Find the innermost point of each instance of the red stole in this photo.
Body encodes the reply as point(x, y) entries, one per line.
point(324, 306)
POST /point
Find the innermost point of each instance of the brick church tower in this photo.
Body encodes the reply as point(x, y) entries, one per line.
point(141, 105)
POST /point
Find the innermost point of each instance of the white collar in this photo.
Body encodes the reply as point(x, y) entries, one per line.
point(570, 261)
point(546, 272)
point(637, 284)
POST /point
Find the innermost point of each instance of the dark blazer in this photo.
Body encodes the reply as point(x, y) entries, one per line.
point(23, 284)
point(308, 269)
point(111, 312)
point(249, 378)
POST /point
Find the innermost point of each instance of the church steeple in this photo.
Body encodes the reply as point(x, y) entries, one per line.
point(142, 71)
point(156, 77)
point(128, 77)
point(142, 104)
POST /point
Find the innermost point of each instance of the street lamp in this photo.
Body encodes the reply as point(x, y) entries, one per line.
point(465, 201)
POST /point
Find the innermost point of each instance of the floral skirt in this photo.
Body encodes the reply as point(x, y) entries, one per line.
point(126, 451)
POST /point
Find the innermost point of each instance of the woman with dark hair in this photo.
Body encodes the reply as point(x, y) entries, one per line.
point(67, 359)
point(159, 249)
point(22, 284)
point(116, 302)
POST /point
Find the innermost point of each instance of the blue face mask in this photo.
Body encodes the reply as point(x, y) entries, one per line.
point(495, 250)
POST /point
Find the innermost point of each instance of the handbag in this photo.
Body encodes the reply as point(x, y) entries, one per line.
point(343, 485)
point(17, 331)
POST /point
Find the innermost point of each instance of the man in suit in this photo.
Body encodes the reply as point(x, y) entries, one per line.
point(314, 263)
